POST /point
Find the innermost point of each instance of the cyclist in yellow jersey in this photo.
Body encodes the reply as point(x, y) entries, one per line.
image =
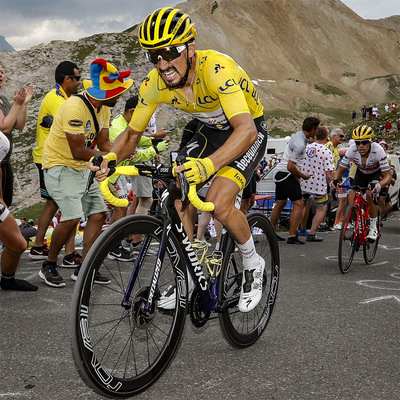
point(229, 142)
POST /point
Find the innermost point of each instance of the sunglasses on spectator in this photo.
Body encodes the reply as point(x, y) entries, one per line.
point(341, 136)
point(363, 142)
point(77, 77)
point(166, 53)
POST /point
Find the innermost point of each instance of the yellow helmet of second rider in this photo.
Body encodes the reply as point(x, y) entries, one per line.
point(363, 132)
point(166, 27)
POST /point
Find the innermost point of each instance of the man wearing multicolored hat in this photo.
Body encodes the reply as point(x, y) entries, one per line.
point(81, 123)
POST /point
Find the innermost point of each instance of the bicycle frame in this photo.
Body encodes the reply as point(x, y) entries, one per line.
point(172, 223)
point(362, 217)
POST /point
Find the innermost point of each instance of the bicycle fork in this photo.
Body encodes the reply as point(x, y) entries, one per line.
point(148, 306)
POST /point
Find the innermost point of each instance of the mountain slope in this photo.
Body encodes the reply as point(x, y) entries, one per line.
point(4, 45)
point(310, 49)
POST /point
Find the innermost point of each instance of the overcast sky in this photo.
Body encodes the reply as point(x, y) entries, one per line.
point(27, 23)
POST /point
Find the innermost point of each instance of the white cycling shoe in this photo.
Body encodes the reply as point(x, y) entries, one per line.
point(168, 297)
point(372, 235)
point(251, 291)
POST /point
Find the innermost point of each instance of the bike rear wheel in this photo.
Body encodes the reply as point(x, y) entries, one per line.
point(244, 329)
point(348, 239)
point(121, 350)
point(369, 249)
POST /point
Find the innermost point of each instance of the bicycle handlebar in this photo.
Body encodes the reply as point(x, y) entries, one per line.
point(151, 171)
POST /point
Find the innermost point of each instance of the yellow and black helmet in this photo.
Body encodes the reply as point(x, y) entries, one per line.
point(166, 27)
point(363, 132)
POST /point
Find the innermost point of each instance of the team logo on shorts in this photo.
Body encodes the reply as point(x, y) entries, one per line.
point(264, 126)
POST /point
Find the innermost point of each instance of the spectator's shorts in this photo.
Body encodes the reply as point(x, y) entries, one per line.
point(43, 191)
point(342, 192)
point(288, 188)
point(142, 186)
point(320, 199)
point(66, 186)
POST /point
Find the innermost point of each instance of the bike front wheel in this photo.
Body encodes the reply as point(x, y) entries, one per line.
point(122, 343)
point(243, 329)
point(348, 239)
point(369, 249)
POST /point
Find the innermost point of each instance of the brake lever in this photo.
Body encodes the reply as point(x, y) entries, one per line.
point(182, 180)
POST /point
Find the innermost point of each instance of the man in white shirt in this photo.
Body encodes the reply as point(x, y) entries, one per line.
point(287, 175)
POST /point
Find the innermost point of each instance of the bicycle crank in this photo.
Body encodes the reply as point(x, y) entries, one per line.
point(198, 315)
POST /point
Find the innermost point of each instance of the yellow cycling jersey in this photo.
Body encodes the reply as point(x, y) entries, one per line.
point(221, 88)
point(334, 151)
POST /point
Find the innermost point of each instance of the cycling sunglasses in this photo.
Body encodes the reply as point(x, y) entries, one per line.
point(77, 77)
point(363, 142)
point(166, 53)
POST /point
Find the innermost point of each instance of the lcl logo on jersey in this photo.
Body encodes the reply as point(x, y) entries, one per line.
point(228, 84)
point(141, 101)
point(206, 100)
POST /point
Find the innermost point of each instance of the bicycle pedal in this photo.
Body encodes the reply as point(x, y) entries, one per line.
point(214, 262)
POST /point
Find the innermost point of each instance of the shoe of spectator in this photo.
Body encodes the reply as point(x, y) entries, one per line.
point(280, 238)
point(314, 238)
point(337, 226)
point(324, 228)
point(71, 260)
point(39, 253)
point(98, 278)
point(136, 247)
point(51, 276)
point(302, 232)
point(294, 240)
point(168, 297)
point(120, 254)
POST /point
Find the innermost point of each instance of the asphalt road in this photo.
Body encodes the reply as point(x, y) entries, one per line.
point(331, 336)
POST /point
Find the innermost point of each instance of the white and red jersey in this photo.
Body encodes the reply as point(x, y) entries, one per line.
point(377, 159)
point(317, 161)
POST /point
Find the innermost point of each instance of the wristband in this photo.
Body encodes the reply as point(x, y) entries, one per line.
point(3, 212)
point(110, 156)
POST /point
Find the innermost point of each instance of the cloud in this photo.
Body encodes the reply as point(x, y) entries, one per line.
point(26, 23)
point(373, 9)
point(47, 30)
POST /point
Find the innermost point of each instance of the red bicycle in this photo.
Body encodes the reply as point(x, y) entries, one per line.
point(355, 230)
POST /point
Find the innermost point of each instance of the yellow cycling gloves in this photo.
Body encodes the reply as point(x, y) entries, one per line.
point(198, 170)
